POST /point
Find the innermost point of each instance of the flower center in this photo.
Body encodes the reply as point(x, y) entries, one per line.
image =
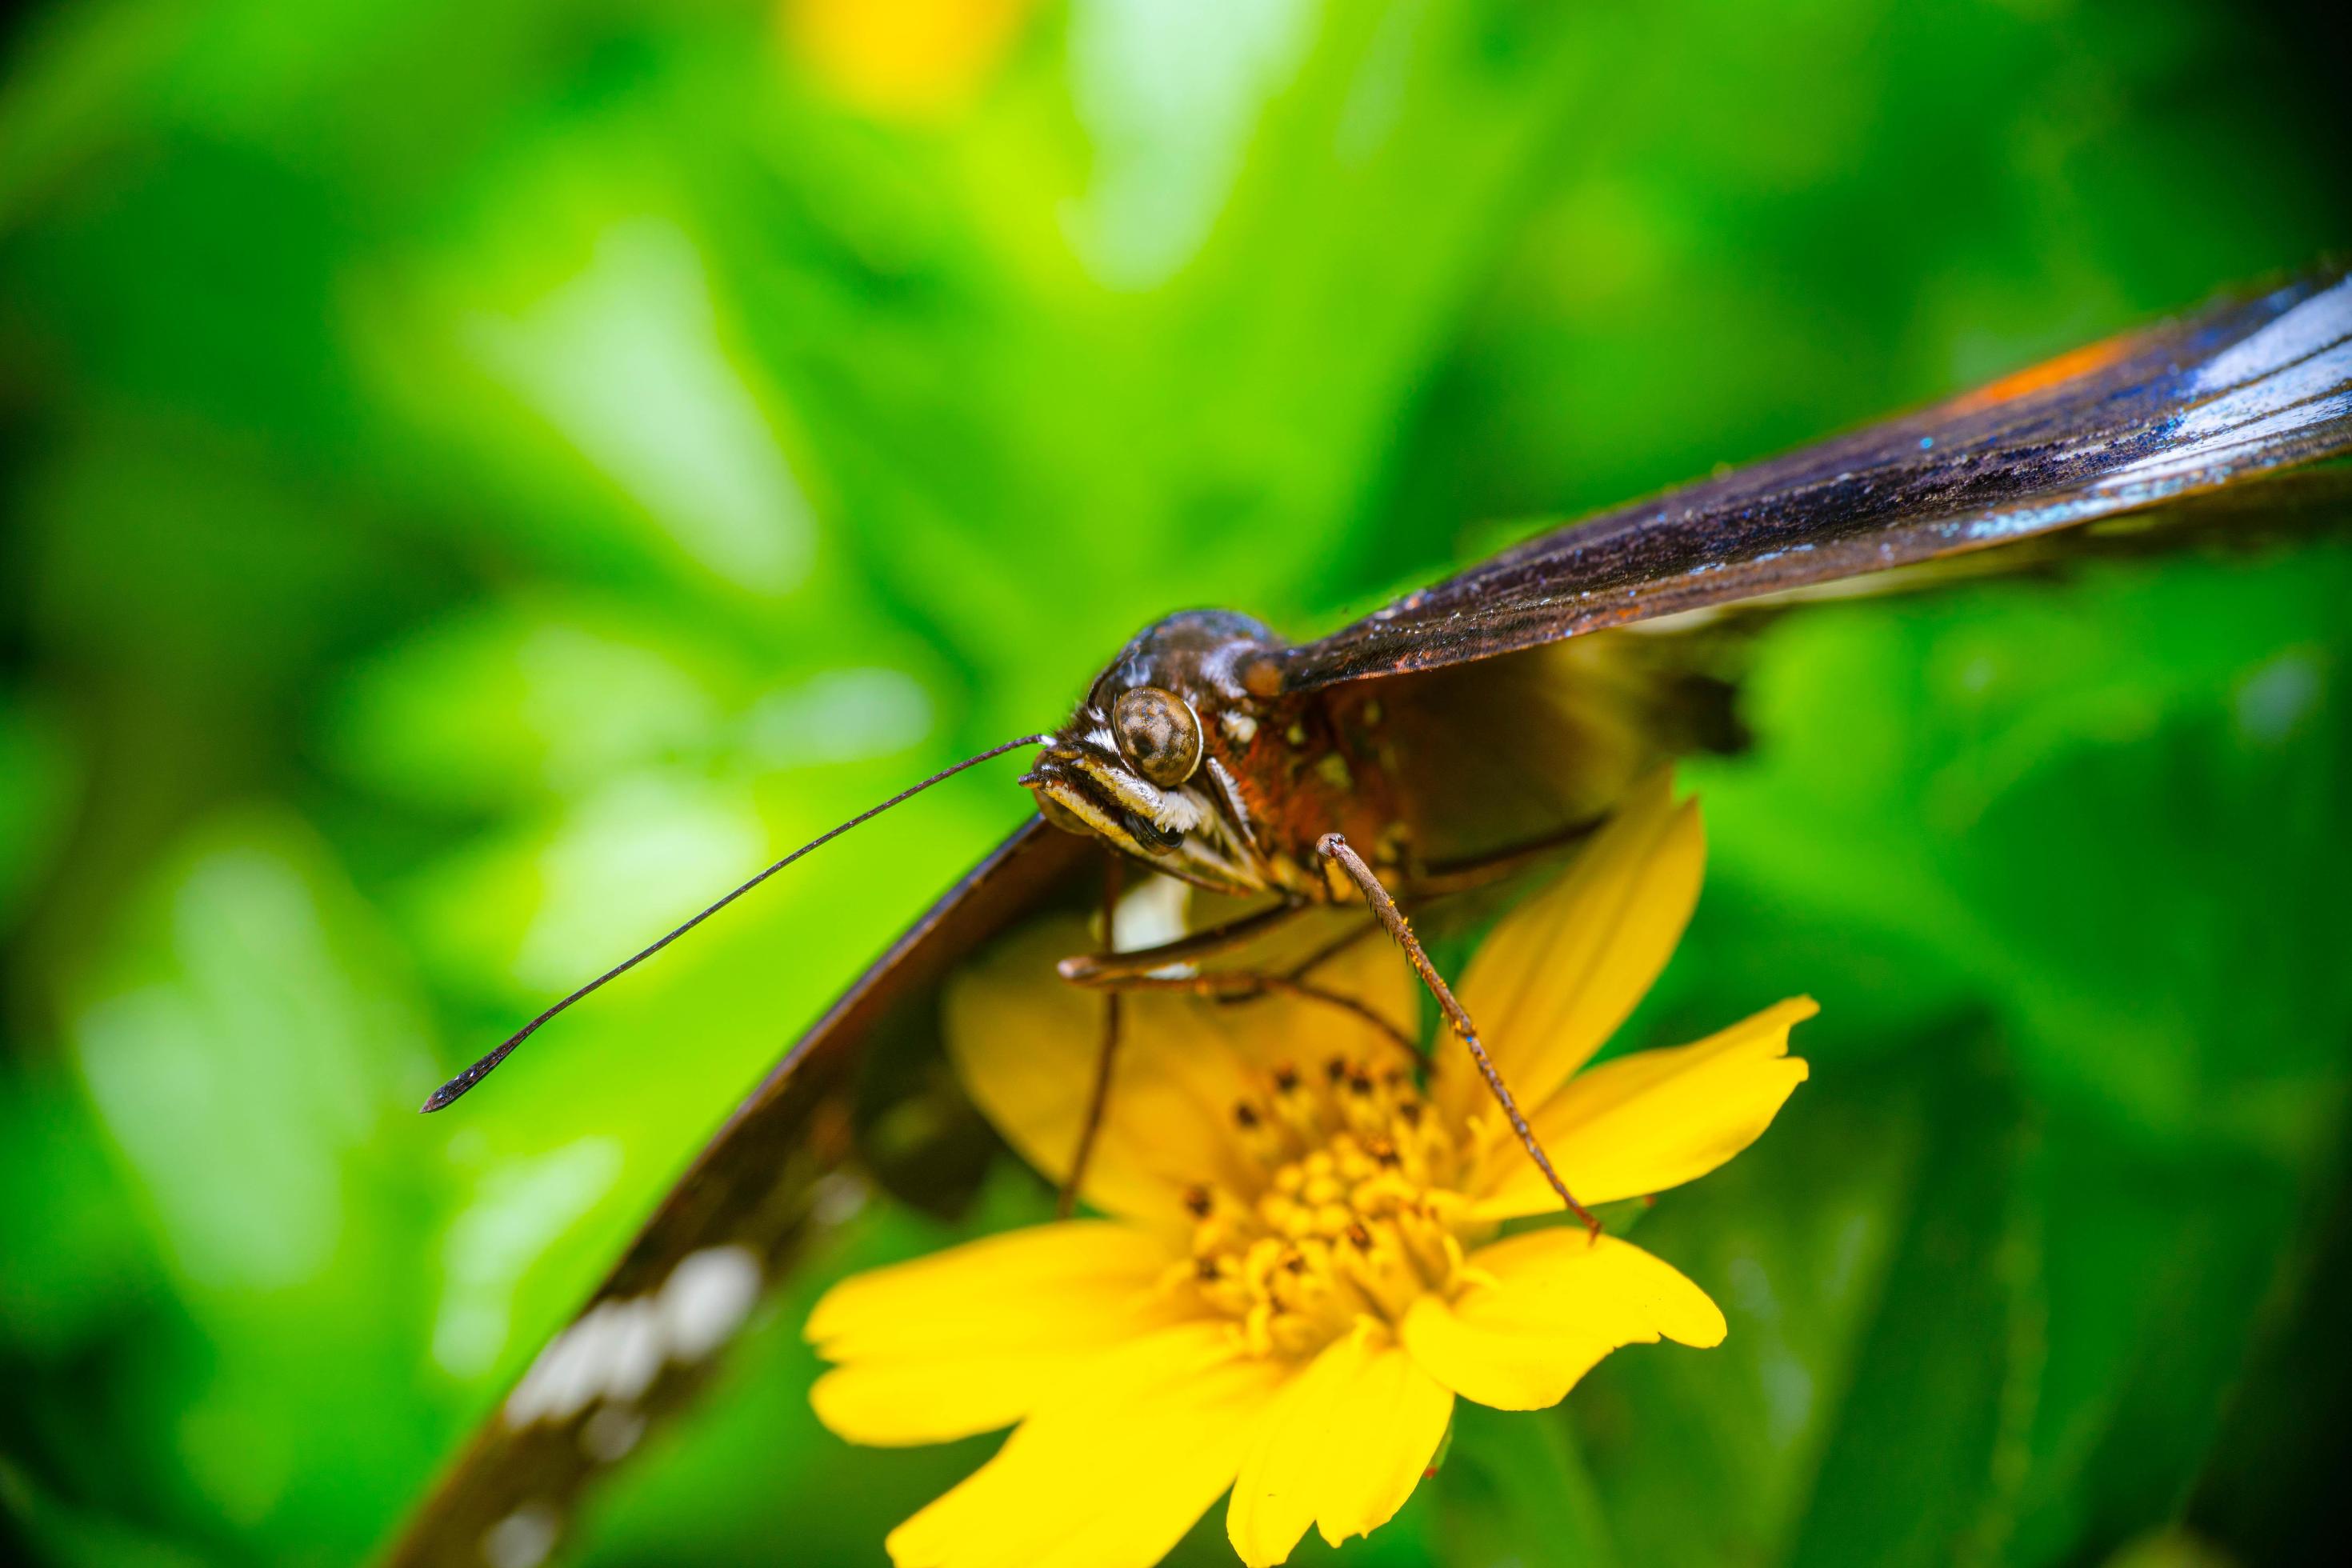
point(1359, 1212)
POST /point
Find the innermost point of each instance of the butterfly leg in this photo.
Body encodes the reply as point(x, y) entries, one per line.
point(1093, 968)
point(1248, 985)
point(1098, 1097)
point(1097, 1101)
point(1333, 846)
point(1143, 969)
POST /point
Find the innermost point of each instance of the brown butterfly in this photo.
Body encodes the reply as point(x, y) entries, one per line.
point(1426, 749)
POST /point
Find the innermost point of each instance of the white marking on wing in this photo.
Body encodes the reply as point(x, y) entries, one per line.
point(838, 1198)
point(2291, 375)
point(609, 1435)
point(616, 1349)
point(568, 1373)
point(522, 1539)
point(708, 1295)
point(2221, 444)
point(633, 1351)
point(2314, 377)
point(2324, 319)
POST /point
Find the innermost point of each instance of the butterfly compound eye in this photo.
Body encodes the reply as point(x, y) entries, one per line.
point(1160, 734)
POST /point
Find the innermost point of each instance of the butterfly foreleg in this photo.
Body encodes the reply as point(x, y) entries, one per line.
point(1098, 1097)
point(1335, 848)
point(1248, 985)
point(1093, 969)
point(1170, 967)
point(1097, 1101)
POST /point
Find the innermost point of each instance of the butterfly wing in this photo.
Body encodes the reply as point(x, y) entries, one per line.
point(2245, 388)
point(645, 1341)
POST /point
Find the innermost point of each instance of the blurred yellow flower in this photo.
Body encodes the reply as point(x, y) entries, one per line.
point(1301, 1269)
point(903, 58)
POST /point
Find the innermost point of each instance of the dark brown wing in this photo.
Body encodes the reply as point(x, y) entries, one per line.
point(645, 1341)
point(2244, 388)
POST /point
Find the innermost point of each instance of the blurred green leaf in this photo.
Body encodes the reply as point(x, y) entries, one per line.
point(1717, 1455)
point(1515, 1491)
point(37, 783)
point(79, 1272)
point(73, 1539)
point(298, 1255)
point(1924, 1452)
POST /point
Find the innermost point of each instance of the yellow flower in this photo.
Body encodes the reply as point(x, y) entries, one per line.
point(1300, 1271)
point(904, 59)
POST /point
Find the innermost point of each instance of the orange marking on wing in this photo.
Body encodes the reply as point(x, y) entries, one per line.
point(2072, 365)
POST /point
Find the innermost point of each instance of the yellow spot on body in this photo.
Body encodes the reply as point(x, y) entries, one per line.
point(1332, 769)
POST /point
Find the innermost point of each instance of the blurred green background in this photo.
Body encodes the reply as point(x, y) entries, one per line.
point(480, 476)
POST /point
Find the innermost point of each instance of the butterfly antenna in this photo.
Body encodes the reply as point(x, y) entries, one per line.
point(448, 1092)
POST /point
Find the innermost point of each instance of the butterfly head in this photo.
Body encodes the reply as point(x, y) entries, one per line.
point(1141, 764)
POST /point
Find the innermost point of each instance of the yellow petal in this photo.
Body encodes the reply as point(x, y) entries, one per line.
point(1277, 1031)
point(1343, 1444)
point(971, 1339)
point(1113, 1472)
point(1026, 1045)
point(1276, 1494)
point(1653, 1120)
point(1563, 970)
point(1559, 1303)
point(1389, 1418)
point(899, 1403)
point(1561, 1276)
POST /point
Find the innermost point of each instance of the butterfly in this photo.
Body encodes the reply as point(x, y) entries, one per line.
point(1424, 750)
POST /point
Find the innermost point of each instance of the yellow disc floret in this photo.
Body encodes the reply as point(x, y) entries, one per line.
point(1360, 1210)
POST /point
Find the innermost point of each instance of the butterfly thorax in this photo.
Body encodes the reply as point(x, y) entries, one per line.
point(1189, 755)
